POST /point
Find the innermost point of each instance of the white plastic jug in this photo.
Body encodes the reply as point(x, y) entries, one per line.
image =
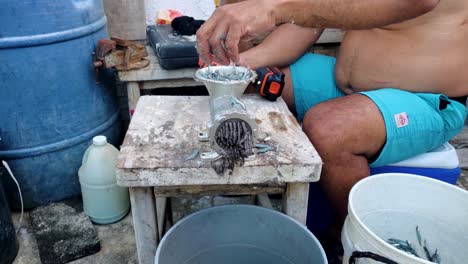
point(103, 200)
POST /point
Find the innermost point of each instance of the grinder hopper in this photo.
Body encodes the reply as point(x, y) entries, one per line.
point(225, 80)
point(226, 84)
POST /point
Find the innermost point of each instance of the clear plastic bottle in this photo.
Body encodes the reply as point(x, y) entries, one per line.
point(103, 200)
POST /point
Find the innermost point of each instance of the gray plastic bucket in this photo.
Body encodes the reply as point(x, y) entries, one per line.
point(233, 234)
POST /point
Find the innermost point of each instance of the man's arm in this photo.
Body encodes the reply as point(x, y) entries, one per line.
point(282, 47)
point(349, 14)
point(246, 19)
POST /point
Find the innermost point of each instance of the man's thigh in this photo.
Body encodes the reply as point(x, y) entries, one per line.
point(385, 125)
point(309, 81)
point(350, 125)
point(415, 122)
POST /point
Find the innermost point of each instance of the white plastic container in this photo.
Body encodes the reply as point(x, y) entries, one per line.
point(103, 200)
point(391, 205)
point(442, 157)
point(440, 163)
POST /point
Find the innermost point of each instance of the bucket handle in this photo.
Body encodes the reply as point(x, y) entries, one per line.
point(365, 254)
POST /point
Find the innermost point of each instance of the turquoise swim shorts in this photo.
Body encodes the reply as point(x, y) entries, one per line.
point(415, 122)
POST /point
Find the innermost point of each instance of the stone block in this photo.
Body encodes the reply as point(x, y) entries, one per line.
point(63, 234)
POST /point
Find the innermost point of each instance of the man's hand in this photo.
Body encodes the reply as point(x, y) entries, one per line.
point(220, 35)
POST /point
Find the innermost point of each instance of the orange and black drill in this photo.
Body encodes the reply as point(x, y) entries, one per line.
point(270, 82)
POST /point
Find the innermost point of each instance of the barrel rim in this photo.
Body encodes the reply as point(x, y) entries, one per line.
point(53, 37)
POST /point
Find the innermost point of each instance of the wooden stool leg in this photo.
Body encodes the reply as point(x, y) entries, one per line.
point(133, 92)
point(264, 200)
point(161, 203)
point(144, 223)
point(296, 201)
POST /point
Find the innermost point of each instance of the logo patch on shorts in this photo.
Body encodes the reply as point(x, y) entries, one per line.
point(401, 119)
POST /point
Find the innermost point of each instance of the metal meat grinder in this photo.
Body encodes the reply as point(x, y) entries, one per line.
point(232, 131)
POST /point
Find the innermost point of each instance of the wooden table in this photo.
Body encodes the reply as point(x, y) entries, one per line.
point(163, 132)
point(152, 77)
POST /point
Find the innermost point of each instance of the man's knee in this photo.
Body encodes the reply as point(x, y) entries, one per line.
point(317, 125)
point(352, 124)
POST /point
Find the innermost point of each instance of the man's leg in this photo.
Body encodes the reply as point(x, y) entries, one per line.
point(310, 83)
point(288, 91)
point(380, 127)
point(347, 132)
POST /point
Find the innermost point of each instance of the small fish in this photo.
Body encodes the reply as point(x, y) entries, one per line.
point(411, 249)
point(435, 257)
point(418, 235)
point(237, 101)
point(193, 155)
point(403, 246)
point(234, 75)
point(426, 250)
point(262, 148)
point(407, 247)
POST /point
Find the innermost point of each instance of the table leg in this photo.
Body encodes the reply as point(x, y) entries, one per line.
point(264, 200)
point(296, 200)
point(133, 92)
point(144, 223)
point(161, 203)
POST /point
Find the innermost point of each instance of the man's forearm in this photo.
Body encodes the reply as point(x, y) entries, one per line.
point(349, 14)
point(282, 47)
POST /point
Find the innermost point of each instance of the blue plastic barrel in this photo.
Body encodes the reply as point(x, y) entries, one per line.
point(50, 103)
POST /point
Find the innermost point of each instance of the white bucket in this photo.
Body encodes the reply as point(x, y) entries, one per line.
point(391, 205)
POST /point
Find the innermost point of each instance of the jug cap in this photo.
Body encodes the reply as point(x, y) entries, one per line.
point(99, 140)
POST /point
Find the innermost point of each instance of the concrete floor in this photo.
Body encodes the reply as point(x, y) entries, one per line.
point(118, 242)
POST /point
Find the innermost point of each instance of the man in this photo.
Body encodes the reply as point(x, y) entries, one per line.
point(385, 99)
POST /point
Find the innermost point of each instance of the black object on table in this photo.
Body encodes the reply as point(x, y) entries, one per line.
point(173, 50)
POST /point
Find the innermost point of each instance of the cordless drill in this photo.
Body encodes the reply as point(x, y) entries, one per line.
point(270, 82)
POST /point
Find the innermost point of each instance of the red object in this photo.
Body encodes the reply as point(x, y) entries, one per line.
point(213, 62)
point(275, 88)
point(165, 17)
